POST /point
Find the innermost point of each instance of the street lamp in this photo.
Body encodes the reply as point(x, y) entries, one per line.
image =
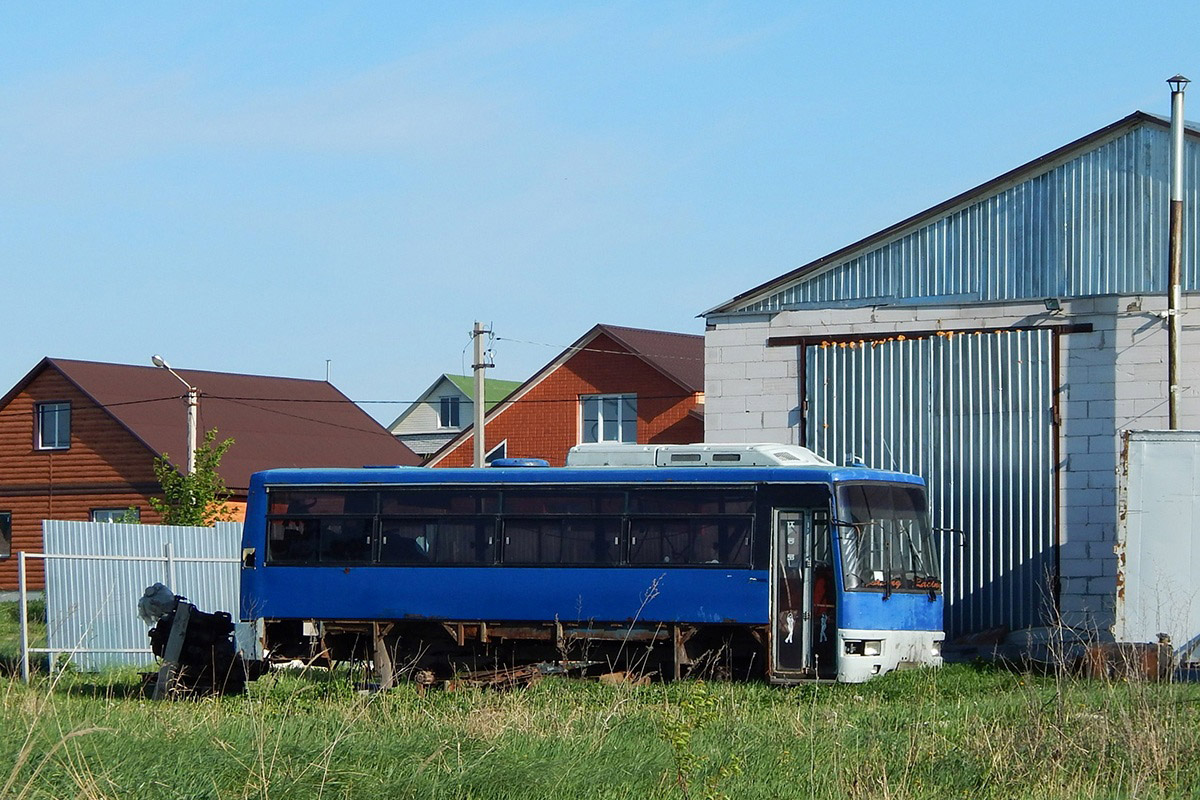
point(193, 405)
point(1178, 85)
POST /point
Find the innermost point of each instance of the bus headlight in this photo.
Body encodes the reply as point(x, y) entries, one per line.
point(936, 650)
point(863, 647)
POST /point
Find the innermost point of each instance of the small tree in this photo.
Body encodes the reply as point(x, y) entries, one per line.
point(199, 498)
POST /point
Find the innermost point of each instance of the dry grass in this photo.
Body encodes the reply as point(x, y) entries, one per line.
point(957, 732)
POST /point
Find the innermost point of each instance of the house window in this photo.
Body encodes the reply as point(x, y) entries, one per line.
point(5, 534)
point(609, 418)
point(53, 426)
point(131, 514)
point(448, 413)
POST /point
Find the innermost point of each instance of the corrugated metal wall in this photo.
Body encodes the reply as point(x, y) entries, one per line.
point(1094, 225)
point(973, 415)
point(92, 604)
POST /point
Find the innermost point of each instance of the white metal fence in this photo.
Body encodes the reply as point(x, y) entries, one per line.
point(97, 571)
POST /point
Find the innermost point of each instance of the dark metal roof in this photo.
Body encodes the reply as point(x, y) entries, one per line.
point(1025, 170)
point(679, 356)
point(274, 422)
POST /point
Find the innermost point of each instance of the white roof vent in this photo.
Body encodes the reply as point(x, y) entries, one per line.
point(693, 455)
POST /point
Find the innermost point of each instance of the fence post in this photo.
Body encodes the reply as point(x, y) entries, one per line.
point(23, 612)
point(169, 552)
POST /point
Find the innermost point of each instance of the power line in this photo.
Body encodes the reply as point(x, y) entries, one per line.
point(598, 350)
point(529, 401)
point(140, 402)
point(306, 419)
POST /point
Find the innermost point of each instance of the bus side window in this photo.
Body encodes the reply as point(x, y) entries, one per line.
point(465, 542)
point(405, 541)
point(646, 542)
point(734, 542)
point(292, 541)
point(822, 548)
point(345, 540)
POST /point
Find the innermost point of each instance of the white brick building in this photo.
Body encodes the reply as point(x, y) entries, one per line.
point(932, 347)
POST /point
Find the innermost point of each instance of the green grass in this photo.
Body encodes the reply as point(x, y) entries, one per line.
point(10, 634)
point(955, 732)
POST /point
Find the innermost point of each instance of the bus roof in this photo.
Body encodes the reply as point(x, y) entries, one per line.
point(375, 476)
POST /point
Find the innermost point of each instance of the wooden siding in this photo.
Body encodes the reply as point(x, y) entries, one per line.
point(545, 421)
point(105, 467)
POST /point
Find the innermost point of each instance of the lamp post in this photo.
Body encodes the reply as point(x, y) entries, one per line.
point(193, 405)
point(1178, 85)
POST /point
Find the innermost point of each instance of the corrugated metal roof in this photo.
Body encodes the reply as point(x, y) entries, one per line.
point(274, 422)
point(1089, 218)
point(494, 389)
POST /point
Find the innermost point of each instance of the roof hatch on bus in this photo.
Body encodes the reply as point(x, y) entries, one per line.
point(693, 455)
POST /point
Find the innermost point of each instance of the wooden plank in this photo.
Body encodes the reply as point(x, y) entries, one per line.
point(384, 670)
point(170, 665)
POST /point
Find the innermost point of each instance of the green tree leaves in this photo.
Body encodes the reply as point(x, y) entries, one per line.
point(199, 498)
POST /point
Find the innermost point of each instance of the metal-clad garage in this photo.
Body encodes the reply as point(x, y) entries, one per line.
point(974, 414)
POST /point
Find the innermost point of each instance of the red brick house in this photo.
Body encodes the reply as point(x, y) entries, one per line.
point(78, 440)
point(614, 384)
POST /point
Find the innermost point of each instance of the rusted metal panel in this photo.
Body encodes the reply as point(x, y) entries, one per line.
point(972, 414)
point(1094, 224)
point(1129, 661)
point(1158, 549)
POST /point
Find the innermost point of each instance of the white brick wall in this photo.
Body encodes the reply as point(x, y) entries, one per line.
point(1111, 379)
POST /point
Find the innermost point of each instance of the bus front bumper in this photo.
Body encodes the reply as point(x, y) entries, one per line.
point(863, 654)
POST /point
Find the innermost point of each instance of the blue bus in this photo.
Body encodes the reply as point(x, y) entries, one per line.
point(743, 560)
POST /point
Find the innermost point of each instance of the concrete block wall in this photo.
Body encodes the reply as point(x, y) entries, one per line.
point(1111, 379)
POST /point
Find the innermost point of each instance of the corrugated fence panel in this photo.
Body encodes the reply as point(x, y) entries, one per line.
point(91, 603)
point(973, 415)
point(1093, 225)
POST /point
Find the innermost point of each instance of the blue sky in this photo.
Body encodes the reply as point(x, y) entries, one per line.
point(260, 187)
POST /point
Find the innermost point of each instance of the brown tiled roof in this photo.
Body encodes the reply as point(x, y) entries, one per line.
point(679, 356)
point(274, 422)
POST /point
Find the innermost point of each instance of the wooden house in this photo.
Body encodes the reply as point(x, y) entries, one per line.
point(78, 440)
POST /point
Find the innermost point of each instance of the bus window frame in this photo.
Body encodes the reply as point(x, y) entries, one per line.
point(757, 497)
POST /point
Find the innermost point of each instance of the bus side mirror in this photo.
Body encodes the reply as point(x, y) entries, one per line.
point(962, 535)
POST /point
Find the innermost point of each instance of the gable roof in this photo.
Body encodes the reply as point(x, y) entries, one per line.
point(274, 422)
point(678, 356)
point(494, 390)
point(747, 300)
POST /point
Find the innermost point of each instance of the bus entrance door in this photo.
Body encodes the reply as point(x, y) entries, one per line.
point(791, 595)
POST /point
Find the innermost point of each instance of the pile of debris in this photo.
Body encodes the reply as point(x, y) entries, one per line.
point(197, 649)
point(1061, 649)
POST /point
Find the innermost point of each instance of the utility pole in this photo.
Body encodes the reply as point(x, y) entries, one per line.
point(1174, 265)
point(481, 363)
point(193, 406)
point(193, 409)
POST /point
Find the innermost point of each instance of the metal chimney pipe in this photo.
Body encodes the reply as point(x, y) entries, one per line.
point(1178, 85)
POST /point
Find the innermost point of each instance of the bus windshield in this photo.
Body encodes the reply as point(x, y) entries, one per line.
point(885, 539)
